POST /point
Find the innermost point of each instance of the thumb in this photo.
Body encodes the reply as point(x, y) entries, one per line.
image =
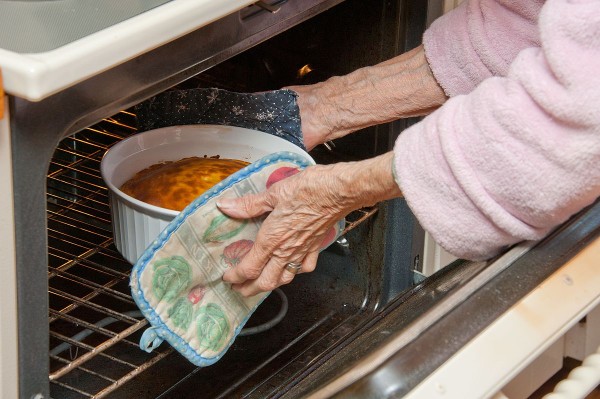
point(245, 207)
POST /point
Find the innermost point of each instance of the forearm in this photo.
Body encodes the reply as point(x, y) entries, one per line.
point(398, 88)
point(373, 179)
point(353, 185)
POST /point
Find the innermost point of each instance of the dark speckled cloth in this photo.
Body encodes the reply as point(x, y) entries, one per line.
point(274, 112)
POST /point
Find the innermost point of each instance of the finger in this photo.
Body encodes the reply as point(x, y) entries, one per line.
point(248, 206)
point(276, 267)
point(309, 264)
point(269, 279)
point(286, 277)
point(251, 265)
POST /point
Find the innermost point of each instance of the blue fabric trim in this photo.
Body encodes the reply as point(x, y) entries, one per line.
point(158, 326)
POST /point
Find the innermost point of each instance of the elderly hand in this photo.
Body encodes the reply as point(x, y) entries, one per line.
point(302, 209)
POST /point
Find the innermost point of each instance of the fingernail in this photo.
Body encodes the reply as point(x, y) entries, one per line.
point(225, 203)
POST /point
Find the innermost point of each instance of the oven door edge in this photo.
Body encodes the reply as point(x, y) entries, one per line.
point(8, 294)
point(469, 319)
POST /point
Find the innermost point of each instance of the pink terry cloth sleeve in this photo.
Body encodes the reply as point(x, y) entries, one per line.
point(479, 39)
point(518, 155)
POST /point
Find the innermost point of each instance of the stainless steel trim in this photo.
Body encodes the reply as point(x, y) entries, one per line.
point(272, 8)
point(453, 299)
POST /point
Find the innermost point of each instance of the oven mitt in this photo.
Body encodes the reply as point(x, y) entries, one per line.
point(177, 282)
point(274, 112)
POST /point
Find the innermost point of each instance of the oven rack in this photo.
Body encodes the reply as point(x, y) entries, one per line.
point(94, 325)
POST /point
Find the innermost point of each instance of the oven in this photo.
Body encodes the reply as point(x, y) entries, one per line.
point(368, 323)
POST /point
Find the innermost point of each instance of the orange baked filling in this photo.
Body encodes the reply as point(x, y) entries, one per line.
point(173, 185)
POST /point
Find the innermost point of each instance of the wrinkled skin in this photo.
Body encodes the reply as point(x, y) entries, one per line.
point(302, 209)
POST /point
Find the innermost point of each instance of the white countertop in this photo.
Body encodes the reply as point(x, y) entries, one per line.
point(36, 75)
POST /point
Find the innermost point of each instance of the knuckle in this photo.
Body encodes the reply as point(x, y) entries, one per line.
point(309, 267)
point(250, 273)
point(252, 264)
point(286, 250)
point(266, 285)
point(260, 250)
point(247, 203)
point(286, 278)
point(256, 204)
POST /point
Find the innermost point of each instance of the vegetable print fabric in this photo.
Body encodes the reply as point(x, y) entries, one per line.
point(177, 282)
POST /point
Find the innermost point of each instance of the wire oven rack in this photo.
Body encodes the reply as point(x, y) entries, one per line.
point(92, 319)
point(94, 325)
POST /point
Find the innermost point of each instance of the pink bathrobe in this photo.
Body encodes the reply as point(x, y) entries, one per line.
point(515, 151)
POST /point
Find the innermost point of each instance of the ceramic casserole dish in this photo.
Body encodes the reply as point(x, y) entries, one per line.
point(135, 223)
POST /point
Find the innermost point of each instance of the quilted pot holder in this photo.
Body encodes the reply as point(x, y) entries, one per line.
point(177, 282)
point(275, 112)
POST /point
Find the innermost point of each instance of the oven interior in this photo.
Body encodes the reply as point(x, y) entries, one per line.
point(94, 328)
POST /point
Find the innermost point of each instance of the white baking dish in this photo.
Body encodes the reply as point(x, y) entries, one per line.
point(135, 223)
